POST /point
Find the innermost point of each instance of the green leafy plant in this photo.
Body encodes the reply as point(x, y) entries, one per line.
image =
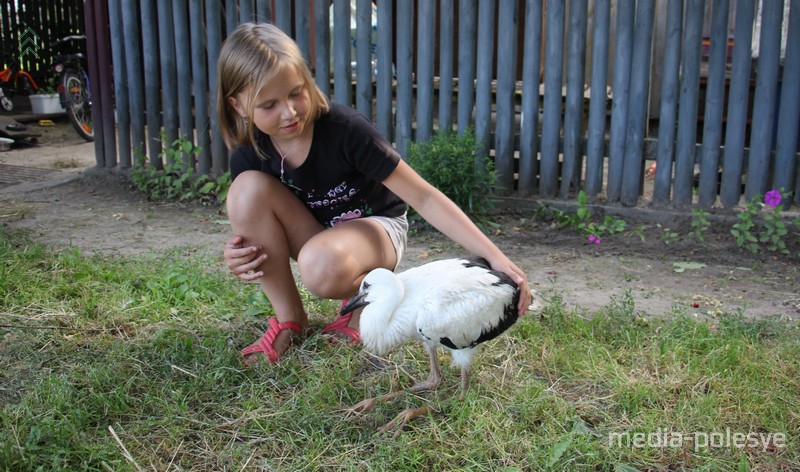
point(581, 220)
point(47, 87)
point(774, 229)
point(451, 163)
point(700, 224)
point(751, 236)
point(178, 180)
point(742, 231)
point(669, 236)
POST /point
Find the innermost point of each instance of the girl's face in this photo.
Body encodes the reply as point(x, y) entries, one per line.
point(280, 108)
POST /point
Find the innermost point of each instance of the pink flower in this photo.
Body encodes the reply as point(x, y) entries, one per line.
point(594, 239)
point(773, 198)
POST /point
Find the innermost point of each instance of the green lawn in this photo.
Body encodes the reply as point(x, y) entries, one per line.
point(113, 363)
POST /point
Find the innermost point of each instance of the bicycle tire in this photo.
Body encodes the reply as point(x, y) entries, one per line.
point(77, 104)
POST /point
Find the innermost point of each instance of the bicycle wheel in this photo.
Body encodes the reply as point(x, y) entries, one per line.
point(77, 104)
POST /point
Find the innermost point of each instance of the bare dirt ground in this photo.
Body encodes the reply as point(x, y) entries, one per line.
point(75, 205)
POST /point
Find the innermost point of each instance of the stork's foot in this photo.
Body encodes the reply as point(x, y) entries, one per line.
point(362, 407)
point(396, 425)
point(367, 405)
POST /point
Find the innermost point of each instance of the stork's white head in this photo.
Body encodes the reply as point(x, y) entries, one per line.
point(380, 294)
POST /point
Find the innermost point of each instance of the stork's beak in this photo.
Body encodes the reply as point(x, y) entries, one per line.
point(356, 302)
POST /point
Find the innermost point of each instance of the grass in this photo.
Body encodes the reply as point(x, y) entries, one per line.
point(114, 363)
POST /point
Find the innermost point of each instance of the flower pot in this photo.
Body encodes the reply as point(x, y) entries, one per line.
point(45, 104)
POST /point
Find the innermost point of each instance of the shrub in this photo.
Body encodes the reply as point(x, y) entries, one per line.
point(452, 163)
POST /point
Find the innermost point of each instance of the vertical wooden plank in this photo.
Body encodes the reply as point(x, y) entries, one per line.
point(94, 72)
point(322, 46)
point(738, 103)
point(218, 151)
point(364, 57)
point(200, 85)
point(385, 97)
point(152, 86)
point(483, 85)
point(505, 99)
point(467, 32)
point(403, 118)
point(302, 27)
point(246, 11)
point(789, 114)
point(231, 16)
point(573, 104)
point(263, 10)
point(623, 52)
point(715, 97)
point(425, 39)
point(595, 152)
point(766, 92)
point(446, 54)
point(181, 29)
point(529, 123)
point(283, 16)
point(133, 66)
point(551, 126)
point(341, 52)
point(670, 72)
point(121, 93)
point(687, 106)
point(103, 107)
point(169, 82)
point(633, 166)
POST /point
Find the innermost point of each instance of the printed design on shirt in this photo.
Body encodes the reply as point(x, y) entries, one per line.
point(336, 196)
point(351, 215)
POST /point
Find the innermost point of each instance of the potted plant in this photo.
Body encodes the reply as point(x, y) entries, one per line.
point(46, 101)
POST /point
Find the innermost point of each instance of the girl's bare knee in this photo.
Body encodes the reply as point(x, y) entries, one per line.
point(324, 271)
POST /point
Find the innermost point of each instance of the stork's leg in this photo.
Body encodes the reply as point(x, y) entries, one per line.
point(431, 383)
point(464, 382)
point(434, 377)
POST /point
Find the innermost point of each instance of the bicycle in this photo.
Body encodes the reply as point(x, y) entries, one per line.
point(73, 88)
point(14, 81)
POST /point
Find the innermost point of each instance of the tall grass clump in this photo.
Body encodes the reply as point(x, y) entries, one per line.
point(133, 363)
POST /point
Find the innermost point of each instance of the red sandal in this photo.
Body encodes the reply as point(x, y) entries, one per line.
point(340, 326)
point(265, 343)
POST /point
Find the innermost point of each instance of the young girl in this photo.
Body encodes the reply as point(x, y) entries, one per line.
point(316, 182)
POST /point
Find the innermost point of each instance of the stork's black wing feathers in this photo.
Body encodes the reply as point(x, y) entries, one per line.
point(510, 312)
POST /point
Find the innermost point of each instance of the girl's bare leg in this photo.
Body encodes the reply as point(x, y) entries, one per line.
point(264, 212)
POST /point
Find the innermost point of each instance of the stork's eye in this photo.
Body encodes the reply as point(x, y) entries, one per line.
point(365, 285)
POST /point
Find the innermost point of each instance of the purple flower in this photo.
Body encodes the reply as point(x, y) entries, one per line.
point(773, 198)
point(594, 239)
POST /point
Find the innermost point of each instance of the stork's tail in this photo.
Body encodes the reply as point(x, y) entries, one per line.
point(463, 357)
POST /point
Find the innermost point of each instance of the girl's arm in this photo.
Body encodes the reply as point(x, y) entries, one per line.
point(447, 217)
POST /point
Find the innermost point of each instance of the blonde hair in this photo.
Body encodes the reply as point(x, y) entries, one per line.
point(250, 57)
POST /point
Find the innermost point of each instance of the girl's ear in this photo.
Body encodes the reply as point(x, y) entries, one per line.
point(237, 106)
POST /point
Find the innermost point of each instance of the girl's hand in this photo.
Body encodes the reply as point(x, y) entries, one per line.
point(243, 261)
point(520, 278)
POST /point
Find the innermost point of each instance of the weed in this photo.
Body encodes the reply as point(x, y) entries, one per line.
point(669, 236)
point(582, 221)
point(177, 180)
point(700, 224)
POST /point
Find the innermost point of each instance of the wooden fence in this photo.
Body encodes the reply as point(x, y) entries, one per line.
point(560, 92)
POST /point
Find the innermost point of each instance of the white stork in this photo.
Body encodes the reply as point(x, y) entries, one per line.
point(456, 304)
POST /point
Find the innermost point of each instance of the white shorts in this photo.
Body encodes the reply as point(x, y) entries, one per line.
point(397, 229)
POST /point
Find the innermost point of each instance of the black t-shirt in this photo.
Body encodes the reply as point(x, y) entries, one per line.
point(341, 178)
